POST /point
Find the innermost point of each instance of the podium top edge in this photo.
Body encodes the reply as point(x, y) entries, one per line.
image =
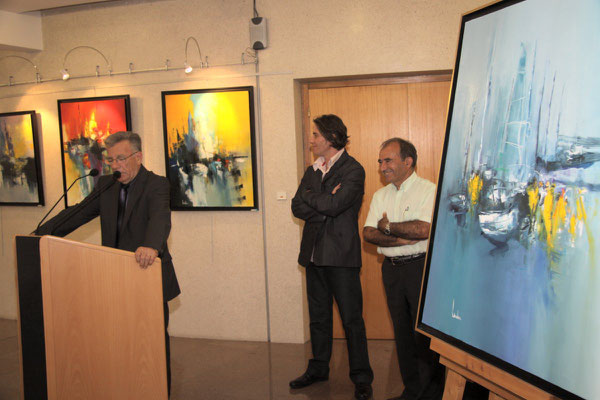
point(47, 239)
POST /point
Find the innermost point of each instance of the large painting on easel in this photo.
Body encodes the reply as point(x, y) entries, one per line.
point(513, 275)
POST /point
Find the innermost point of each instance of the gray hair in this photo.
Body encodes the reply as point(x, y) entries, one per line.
point(407, 149)
point(133, 138)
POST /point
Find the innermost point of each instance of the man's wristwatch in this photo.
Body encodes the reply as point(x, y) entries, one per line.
point(386, 230)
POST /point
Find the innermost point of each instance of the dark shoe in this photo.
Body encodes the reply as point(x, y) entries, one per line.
point(363, 391)
point(306, 380)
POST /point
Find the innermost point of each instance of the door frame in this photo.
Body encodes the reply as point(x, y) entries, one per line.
point(357, 80)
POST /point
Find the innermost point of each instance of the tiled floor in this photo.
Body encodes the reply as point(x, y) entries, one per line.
point(215, 369)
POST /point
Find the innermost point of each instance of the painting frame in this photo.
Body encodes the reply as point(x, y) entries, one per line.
point(194, 177)
point(32, 147)
point(115, 115)
point(448, 208)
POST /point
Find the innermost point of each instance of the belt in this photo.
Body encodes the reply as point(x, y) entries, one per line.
point(401, 260)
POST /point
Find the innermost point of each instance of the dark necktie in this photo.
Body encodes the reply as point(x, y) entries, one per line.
point(122, 204)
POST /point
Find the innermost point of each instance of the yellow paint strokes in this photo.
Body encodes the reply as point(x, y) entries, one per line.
point(575, 216)
point(533, 195)
point(547, 207)
point(559, 215)
point(572, 225)
point(474, 188)
point(91, 126)
point(226, 115)
point(178, 107)
point(233, 116)
point(581, 213)
point(21, 135)
point(583, 216)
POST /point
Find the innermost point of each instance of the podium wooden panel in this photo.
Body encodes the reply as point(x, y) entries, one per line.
point(103, 323)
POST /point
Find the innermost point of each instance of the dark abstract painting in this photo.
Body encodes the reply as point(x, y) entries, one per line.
point(209, 148)
point(84, 124)
point(21, 179)
point(512, 274)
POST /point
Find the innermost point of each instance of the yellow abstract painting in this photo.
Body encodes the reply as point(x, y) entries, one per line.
point(209, 142)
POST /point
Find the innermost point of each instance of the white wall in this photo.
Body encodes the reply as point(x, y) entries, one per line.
point(226, 262)
point(20, 31)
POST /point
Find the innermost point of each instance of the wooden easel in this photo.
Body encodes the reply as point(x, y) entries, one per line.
point(462, 366)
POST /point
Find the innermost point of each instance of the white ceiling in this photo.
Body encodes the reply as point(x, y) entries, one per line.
point(20, 6)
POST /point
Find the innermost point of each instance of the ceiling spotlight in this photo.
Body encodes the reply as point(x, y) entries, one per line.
point(65, 74)
point(188, 68)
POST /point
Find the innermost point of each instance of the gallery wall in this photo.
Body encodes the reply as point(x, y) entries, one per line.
point(238, 270)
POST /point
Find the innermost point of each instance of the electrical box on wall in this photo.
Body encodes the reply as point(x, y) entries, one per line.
point(258, 33)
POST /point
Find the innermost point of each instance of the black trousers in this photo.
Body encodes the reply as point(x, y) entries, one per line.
point(421, 373)
point(167, 346)
point(323, 284)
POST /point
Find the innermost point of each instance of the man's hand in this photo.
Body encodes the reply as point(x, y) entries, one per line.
point(145, 256)
point(383, 223)
point(403, 242)
point(335, 189)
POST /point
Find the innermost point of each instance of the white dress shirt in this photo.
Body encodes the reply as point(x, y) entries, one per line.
point(414, 200)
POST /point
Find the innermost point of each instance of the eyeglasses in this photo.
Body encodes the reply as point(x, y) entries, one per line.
point(119, 159)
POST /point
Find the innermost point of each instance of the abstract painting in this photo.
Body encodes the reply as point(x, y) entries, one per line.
point(512, 274)
point(84, 124)
point(209, 148)
point(21, 178)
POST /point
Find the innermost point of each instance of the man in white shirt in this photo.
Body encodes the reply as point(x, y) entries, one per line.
point(398, 223)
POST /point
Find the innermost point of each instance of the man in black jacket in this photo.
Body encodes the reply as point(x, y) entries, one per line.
point(328, 200)
point(134, 214)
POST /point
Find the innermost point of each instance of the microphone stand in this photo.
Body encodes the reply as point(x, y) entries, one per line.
point(93, 172)
point(78, 207)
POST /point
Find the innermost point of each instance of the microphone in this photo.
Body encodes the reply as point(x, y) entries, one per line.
point(93, 172)
point(93, 196)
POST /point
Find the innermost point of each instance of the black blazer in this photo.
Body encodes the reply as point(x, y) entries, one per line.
point(146, 222)
point(331, 220)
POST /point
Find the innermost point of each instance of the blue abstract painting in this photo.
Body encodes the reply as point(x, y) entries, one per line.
point(512, 269)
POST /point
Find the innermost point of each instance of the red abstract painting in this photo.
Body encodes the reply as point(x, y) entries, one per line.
point(84, 124)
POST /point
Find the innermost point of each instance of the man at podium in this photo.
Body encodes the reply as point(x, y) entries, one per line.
point(134, 214)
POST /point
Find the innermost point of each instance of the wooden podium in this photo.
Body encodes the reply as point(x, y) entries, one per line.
point(91, 322)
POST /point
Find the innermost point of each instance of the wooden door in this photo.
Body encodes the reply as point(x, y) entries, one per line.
point(410, 107)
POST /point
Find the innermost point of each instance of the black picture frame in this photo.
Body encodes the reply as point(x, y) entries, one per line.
point(212, 168)
point(21, 183)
